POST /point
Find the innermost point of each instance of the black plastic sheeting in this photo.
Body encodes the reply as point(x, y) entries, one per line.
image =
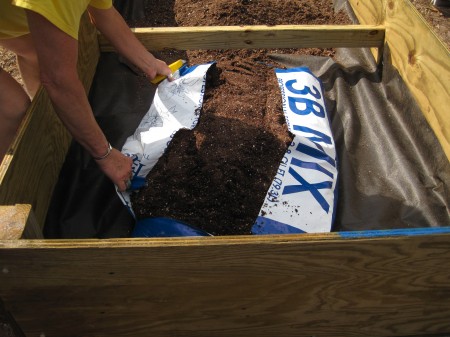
point(393, 172)
point(85, 203)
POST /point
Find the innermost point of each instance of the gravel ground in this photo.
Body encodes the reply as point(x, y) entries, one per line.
point(8, 63)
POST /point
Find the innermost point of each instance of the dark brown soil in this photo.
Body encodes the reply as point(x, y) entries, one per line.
point(216, 176)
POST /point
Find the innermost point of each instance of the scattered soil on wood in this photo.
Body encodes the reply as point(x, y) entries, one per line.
point(216, 176)
point(438, 18)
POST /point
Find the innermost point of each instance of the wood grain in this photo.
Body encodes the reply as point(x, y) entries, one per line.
point(270, 286)
point(294, 285)
point(244, 37)
point(369, 12)
point(424, 64)
point(88, 53)
point(31, 167)
point(38, 153)
point(18, 222)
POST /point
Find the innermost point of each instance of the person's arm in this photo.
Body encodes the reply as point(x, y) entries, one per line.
point(111, 24)
point(57, 54)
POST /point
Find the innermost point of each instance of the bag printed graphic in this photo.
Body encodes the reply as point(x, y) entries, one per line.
point(302, 196)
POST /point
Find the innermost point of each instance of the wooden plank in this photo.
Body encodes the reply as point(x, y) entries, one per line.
point(12, 221)
point(424, 64)
point(32, 227)
point(31, 167)
point(18, 222)
point(8, 326)
point(244, 37)
point(35, 158)
point(293, 285)
point(370, 13)
point(267, 286)
point(88, 53)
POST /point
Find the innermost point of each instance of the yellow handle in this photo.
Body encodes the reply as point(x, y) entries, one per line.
point(174, 67)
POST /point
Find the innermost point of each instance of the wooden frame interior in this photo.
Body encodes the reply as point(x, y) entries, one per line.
point(383, 283)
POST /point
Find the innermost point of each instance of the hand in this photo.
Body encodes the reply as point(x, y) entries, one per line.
point(112, 25)
point(117, 167)
point(156, 67)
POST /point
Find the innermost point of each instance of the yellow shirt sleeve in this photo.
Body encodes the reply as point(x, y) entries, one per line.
point(13, 21)
point(63, 14)
point(101, 4)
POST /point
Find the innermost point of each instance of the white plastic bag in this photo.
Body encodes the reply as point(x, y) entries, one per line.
point(302, 196)
point(176, 105)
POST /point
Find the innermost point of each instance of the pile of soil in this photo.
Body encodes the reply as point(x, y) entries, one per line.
point(216, 176)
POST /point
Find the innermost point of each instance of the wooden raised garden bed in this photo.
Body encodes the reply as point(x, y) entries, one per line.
point(370, 283)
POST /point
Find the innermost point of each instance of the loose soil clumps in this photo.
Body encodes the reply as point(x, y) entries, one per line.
point(216, 176)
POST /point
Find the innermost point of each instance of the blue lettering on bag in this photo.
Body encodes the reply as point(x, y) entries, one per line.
point(137, 165)
point(310, 106)
point(312, 188)
point(321, 136)
point(311, 166)
point(305, 91)
point(316, 153)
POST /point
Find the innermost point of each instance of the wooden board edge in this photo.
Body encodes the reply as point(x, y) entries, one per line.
point(394, 234)
point(424, 64)
point(369, 12)
point(245, 37)
point(362, 283)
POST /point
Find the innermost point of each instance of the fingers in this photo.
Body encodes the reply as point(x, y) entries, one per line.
point(159, 71)
point(124, 185)
point(170, 77)
point(117, 167)
point(125, 182)
point(164, 69)
point(128, 183)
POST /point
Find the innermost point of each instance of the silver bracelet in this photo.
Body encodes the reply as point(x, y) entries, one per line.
point(108, 152)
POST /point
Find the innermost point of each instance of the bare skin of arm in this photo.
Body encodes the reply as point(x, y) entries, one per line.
point(116, 30)
point(57, 54)
point(13, 105)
